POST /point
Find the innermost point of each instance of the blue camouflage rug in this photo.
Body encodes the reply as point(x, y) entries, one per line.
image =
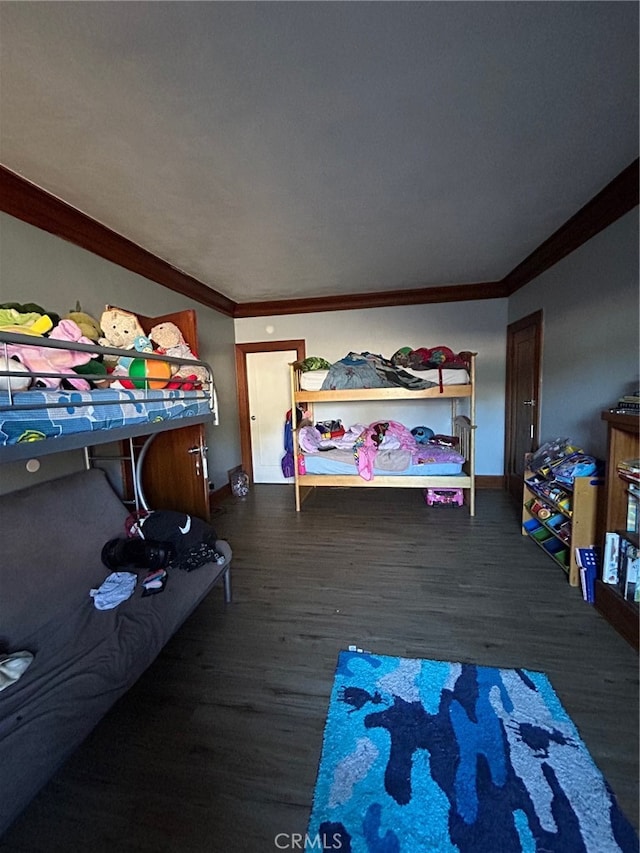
point(422, 755)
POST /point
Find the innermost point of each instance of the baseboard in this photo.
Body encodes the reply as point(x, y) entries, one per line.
point(489, 481)
point(483, 481)
point(219, 495)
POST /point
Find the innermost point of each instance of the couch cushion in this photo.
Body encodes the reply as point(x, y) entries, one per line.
point(52, 535)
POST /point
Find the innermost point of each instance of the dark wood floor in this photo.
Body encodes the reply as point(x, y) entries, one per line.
point(216, 747)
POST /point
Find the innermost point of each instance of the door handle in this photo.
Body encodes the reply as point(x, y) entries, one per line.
point(528, 402)
point(201, 461)
point(253, 417)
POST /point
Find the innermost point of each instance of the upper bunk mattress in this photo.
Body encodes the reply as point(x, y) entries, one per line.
point(37, 415)
point(311, 380)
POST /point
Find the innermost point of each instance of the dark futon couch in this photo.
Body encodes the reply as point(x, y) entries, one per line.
point(84, 658)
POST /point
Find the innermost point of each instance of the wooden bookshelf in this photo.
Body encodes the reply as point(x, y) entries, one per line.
point(577, 507)
point(622, 443)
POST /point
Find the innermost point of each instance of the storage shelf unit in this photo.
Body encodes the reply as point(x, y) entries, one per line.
point(622, 443)
point(563, 522)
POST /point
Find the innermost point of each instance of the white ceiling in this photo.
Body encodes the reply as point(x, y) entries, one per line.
point(277, 150)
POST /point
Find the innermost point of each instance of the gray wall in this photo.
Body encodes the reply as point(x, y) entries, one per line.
point(591, 340)
point(590, 347)
point(478, 326)
point(37, 267)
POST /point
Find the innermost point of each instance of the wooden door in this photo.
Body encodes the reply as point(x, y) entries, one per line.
point(522, 416)
point(174, 471)
point(244, 406)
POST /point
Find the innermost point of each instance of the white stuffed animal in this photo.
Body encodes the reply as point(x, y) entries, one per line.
point(169, 340)
point(18, 380)
point(120, 328)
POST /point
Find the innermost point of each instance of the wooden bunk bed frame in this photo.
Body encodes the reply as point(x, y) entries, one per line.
point(462, 426)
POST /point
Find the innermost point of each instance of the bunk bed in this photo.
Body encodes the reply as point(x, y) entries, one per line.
point(82, 658)
point(458, 386)
point(38, 421)
point(44, 412)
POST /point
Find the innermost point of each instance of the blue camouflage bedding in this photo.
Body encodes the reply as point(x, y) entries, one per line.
point(37, 415)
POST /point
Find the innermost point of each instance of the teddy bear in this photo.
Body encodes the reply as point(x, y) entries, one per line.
point(119, 328)
point(169, 340)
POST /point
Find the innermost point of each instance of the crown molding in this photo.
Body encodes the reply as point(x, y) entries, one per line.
point(32, 204)
point(383, 299)
point(617, 198)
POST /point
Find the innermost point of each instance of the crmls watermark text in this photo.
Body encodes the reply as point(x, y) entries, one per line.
point(298, 841)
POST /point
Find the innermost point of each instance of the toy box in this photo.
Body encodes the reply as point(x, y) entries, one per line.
point(447, 497)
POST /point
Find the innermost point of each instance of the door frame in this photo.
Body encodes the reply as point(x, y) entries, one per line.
point(242, 384)
point(534, 320)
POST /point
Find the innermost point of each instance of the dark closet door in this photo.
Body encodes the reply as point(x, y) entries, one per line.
point(174, 472)
point(524, 341)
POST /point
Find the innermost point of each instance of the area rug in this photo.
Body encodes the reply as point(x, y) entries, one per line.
point(423, 755)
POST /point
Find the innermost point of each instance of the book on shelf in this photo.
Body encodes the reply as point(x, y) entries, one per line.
point(629, 404)
point(629, 571)
point(633, 516)
point(588, 561)
point(629, 466)
point(611, 557)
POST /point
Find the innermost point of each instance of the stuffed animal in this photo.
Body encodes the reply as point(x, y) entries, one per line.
point(24, 323)
point(47, 360)
point(170, 341)
point(89, 326)
point(422, 434)
point(32, 308)
point(17, 381)
point(120, 328)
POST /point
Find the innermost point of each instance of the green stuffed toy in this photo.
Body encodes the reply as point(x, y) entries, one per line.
point(24, 322)
point(31, 308)
point(89, 326)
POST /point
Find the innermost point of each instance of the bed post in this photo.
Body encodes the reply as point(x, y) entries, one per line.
point(294, 433)
point(472, 436)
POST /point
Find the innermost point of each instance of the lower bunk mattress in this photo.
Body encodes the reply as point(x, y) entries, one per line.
point(36, 415)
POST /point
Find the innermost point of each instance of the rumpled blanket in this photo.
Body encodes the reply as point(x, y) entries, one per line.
point(386, 445)
point(389, 435)
point(368, 370)
point(311, 441)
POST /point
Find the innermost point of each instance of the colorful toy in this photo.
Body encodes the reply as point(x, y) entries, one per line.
point(444, 497)
point(141, 369)
point(422, 434)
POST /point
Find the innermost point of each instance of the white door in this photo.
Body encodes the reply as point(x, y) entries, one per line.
point(269, 401)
